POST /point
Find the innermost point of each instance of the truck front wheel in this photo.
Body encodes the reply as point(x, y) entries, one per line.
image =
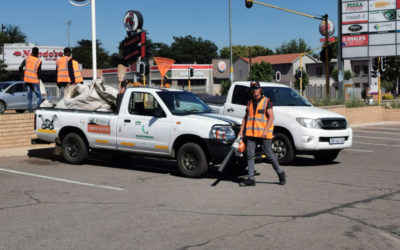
point(74, 149)
point(192, 161)
point(282, 148)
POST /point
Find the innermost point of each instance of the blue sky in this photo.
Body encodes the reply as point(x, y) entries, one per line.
point(44, 21)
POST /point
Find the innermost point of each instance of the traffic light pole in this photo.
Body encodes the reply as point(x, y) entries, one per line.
point(379, 81)
point(301, 78)
point(327, 88)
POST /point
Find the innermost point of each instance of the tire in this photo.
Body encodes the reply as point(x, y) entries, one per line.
point(326, 156)
point(2, 107)
point(282, 148)
point(74, 149)
point(192, 161)
point(20, 111)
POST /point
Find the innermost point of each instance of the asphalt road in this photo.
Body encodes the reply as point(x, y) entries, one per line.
point(144, 204)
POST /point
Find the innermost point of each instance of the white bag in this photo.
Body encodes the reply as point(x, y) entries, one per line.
point(42, 89)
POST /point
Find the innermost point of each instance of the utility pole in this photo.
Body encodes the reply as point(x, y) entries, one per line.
point(325, 17)
point(230, 42)
point(339, 58)
point(2, 42)
point(68, 22)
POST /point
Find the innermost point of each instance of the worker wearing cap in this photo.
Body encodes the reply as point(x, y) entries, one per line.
point(65, 71)
point(258, 122)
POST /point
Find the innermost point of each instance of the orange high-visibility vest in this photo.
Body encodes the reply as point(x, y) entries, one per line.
point(32, 64)
point(257, 122)
point(62, 69)
point(77, 72)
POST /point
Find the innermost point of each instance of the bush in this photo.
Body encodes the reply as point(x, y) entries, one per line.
point(355, 103)
point(387, 97)
point(327, 102)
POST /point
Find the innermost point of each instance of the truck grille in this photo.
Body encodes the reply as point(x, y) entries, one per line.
point(333, 123)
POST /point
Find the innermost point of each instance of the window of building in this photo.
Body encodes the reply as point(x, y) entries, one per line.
point(365, 69)
point(357, 69)
point(319, 71)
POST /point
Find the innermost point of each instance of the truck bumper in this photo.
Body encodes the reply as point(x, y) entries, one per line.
point(319, 139)
point(217, 150)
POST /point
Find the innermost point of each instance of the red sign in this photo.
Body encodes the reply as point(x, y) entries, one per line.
point(398, 4)
point(99, 129)
point(330, 39)
point(355, 40)
point(46, 55)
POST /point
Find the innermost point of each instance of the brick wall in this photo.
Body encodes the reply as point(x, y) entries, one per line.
point(367, 114)
point(16, 130)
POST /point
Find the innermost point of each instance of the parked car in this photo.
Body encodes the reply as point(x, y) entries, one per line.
point(13, 95)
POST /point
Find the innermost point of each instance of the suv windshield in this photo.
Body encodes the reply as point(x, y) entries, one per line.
point(182, 103)
point(4, 85)
point(285, 97)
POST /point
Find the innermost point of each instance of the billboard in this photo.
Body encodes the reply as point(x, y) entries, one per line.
point(370, 28)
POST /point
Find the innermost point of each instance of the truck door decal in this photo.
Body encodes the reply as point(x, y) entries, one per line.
point(99, 126)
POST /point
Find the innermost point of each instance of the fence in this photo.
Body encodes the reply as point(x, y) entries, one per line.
point(317, 93)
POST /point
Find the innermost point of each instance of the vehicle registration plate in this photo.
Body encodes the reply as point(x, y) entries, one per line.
point(336, 140)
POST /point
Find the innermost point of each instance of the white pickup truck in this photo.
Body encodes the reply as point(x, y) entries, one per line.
point(166, 123)
point(300, 128)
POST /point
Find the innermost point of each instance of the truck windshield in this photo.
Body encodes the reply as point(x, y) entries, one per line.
point(285, 97)
point(183, 103)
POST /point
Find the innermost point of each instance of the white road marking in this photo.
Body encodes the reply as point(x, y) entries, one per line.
point(359, 150)
point(376, 144)
point(373, 132)
point(62, 180)
point(381, 138)
point(378, 128)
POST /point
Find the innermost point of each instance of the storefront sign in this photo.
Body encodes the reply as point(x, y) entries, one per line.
point(382, 5)
point(355, 18)
point(382, 27)
point(382, 15)
point(355, 28)
point(355, 40)
point(359, 6)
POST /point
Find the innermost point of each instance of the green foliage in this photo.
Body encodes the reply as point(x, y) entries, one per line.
point(244, 51)
point(261, 72)
point(335, 75)
point(355, 103)
point(225, 85)
point(83, 53)
point(387, 85)
point(3, 72)
point(293, 47)
point(387, 97)
point(327, 102)
point(191, 49)
point(305, 82)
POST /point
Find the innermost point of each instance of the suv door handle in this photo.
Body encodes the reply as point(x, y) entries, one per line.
point(230, 110)
point(128, 121)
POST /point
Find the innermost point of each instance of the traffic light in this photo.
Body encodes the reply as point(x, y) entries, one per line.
point(249, 4)
point(383, 64)
point(299, 74)
point(375, 64)
point(374, 73)
point(191, 72)
point(134, 47)
point(142, 68)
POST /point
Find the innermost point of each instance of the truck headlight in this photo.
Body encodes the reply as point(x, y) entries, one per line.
point(222, 132)
point(308, 122)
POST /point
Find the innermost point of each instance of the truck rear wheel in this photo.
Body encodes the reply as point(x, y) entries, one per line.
point(192, 161)
point(282, 148)
point(74, 149)
point(326, 156)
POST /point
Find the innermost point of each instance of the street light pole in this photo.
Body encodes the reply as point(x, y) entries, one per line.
point(230, 42)
point(68, 22)
point(2, 33)
point(94, 42)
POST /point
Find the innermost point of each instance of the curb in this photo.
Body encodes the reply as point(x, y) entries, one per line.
point(22, 151)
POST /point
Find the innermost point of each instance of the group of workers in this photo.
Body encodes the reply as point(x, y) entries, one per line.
point(68, 72)
point(257, 123)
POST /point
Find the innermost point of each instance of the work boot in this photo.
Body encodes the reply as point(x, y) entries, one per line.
point(282, 178)
point(247, 182)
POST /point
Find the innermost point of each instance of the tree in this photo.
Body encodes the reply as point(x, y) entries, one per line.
point(261, 72)
point(392, 72)
point(293, 47)
point(241, 50)
point(190, 49)
point(11, 34)
point(225, 85)
point(83, 53)
point(335, 75)
point(304, 83)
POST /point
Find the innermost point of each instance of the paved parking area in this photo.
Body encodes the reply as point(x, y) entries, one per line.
point(143, 203)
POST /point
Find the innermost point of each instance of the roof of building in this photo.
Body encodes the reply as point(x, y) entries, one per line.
point(274, 59)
